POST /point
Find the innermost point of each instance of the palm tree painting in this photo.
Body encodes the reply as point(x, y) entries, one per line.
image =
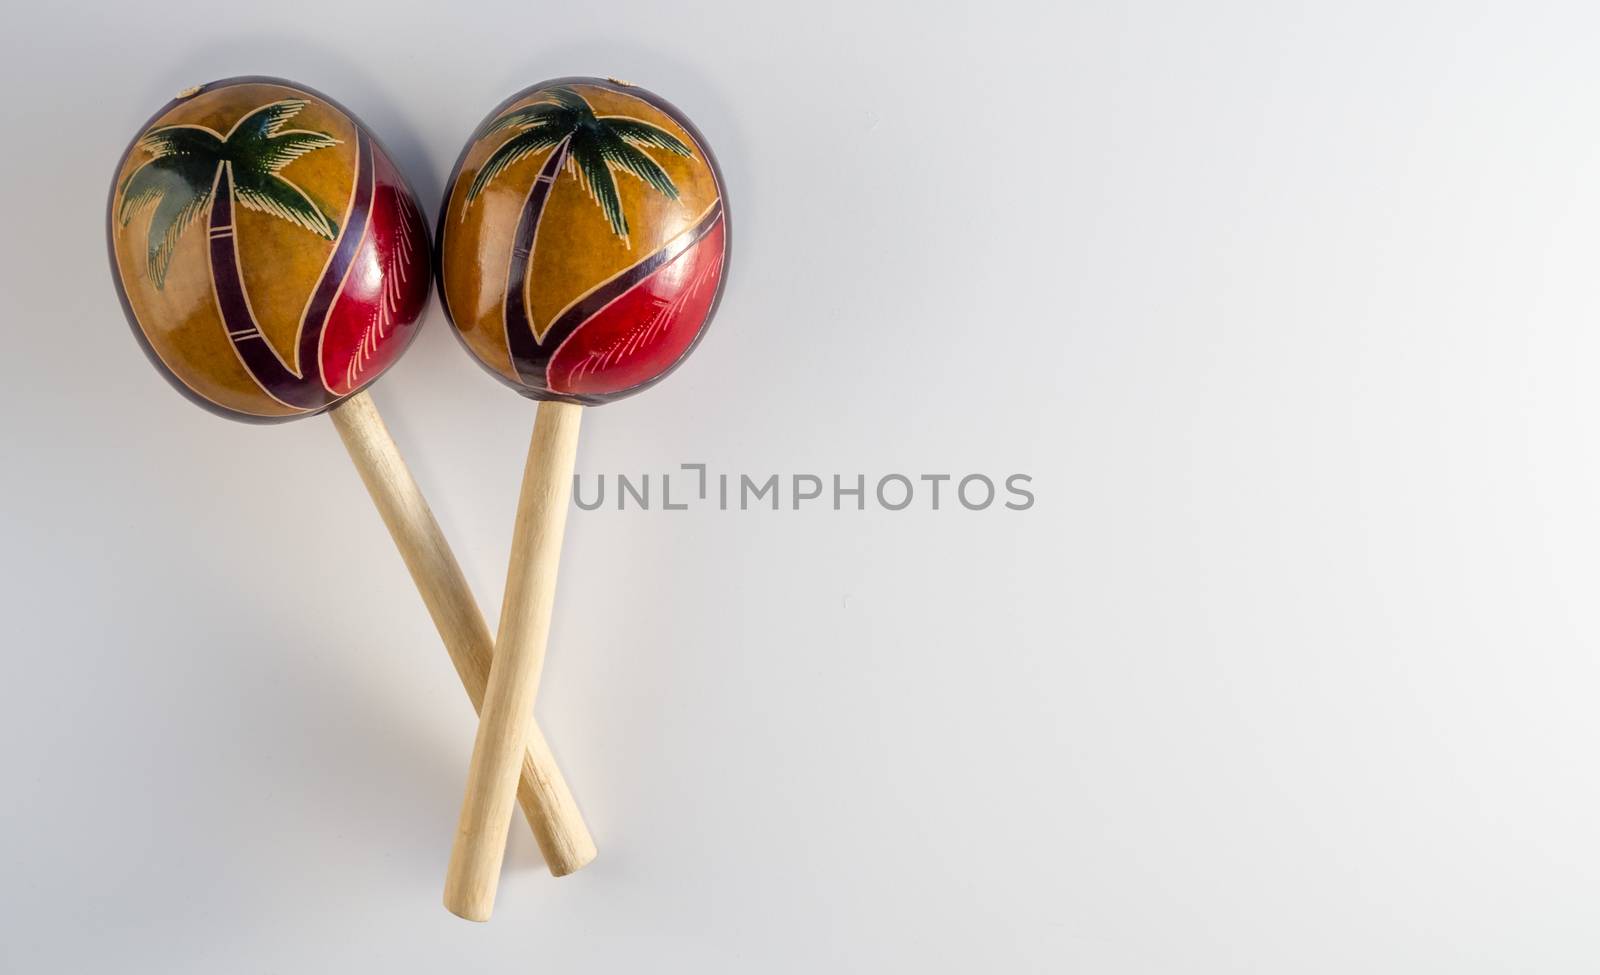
point(185, 168)
point(195, 171)
point(593, 149)
point(590, 145)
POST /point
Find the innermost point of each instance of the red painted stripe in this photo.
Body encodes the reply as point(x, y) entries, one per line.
point(380, 304)
point(645, 330)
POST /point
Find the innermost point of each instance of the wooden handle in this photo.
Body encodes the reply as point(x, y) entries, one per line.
point(507, 713)
point(546, 801)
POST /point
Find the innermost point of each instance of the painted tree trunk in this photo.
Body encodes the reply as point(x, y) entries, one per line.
point(526, 356)
point(301, 383)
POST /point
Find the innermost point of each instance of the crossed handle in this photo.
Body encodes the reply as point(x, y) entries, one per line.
point(546, 801)
point(505, 722)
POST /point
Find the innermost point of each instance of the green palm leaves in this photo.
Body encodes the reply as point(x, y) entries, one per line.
point(595, 147)
point(180, 178)
point(178, 181)
point(257, 150)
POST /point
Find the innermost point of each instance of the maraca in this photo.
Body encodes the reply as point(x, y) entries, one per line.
point(581, 253)
point(272, 263)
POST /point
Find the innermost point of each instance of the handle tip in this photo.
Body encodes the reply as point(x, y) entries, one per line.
point(571, 861)
point(471, 880)
point(468, 906)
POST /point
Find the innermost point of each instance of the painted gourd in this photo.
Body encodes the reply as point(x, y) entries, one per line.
point(270, 258)
point(583, 241)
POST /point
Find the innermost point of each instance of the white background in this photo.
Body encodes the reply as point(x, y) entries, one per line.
point(1290, 310)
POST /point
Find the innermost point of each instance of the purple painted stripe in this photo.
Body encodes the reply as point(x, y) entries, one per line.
point(259, 359)
point(306, 391)
point(344, 255)
point(524, 348)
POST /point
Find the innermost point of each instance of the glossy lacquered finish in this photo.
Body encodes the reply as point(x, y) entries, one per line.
point(270, 257)
point(583, 241)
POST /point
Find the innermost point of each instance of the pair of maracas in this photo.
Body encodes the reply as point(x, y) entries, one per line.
point(273, 262)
